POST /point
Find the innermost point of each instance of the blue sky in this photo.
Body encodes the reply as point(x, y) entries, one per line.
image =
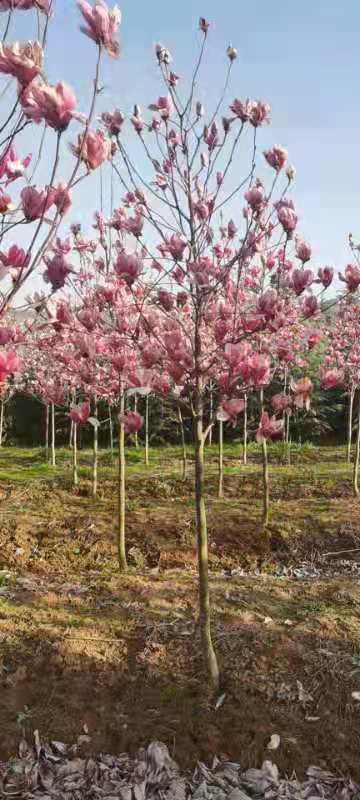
point(302, 58)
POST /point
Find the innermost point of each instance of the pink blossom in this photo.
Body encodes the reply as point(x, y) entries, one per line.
point(132, 421)
point(6, 203)
point(259, 113)
point(9, 364)
point(267, 303)
point(309, 306)
point(302, 390)
point(286, 216)
point(93, 148)
point(331, 378)
point(301, 279)
point(164, 105)
point(280, 402)
point(241, 109)
point(101, 24)
point(36, 202)
point(54, 104)
point(229, 409)
point(80, 413)
point(325, 275)
point(12, 166)
point(113, 122)
point(276, 157)
point(128, 266)
point(62, 199)
point(25, 5)
point(6, 335)
point(256, 370)
point(303, 250)
point(16, 257)
point(351, 277)
point(176, 246)
point(57, 271)
point(166, 299)
point(269, 428)
point(22, 60)
point(255, 197)
point(135, 224)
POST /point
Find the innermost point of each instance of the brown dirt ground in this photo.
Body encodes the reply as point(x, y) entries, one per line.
point(82, 645)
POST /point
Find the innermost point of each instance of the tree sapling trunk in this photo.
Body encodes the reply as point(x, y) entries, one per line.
point(221, 460)
point(121, 488)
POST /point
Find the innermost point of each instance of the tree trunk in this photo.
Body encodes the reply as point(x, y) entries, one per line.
point(245, 430)
point(211, 415)
point(95, 453)
point(357, 455)
point(221, 460)
point(71, 434)
point(121, 489)
point(1, 421)
point(266, 497)
point(75, 472)
point(147, 430)
point(202, 548)
point(111, 434)
point(183, 444)
point(350, 423)
point(136, 437)
point(265, 483)
point(47, 415)
point(53, 454)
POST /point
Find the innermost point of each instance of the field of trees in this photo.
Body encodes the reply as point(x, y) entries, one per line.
point(179, 438)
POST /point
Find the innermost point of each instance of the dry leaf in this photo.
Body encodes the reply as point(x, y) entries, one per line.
point(274, 742)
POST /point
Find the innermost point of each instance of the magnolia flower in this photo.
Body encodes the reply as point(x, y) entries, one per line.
point(54, 104)
point(11, 166)
point(309, 306)
point(325, 275)
point(25, 5)
point(6, 203)
point(287, 216)
point(16, 257)
point(229, 409)
point(22, 60)
point(9, 364)
point(301, 279)
point(80, 413)
point(113, 122)
point(132, 421)
point(281, 402)
point(164, 105)
point(303, 250)
point(35, 202)
point(128, 266)
point(276, 157)
point(255, 197)
point(269, 428)
point(57, 271)
point(302, 390)
point(331, 378)
point(62, 199)
point(101, 24)
point(93, 148)
point(351, 277)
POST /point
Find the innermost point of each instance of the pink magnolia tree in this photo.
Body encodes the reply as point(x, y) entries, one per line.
point(209, 259)
point(341, 367)
point(30, 213)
